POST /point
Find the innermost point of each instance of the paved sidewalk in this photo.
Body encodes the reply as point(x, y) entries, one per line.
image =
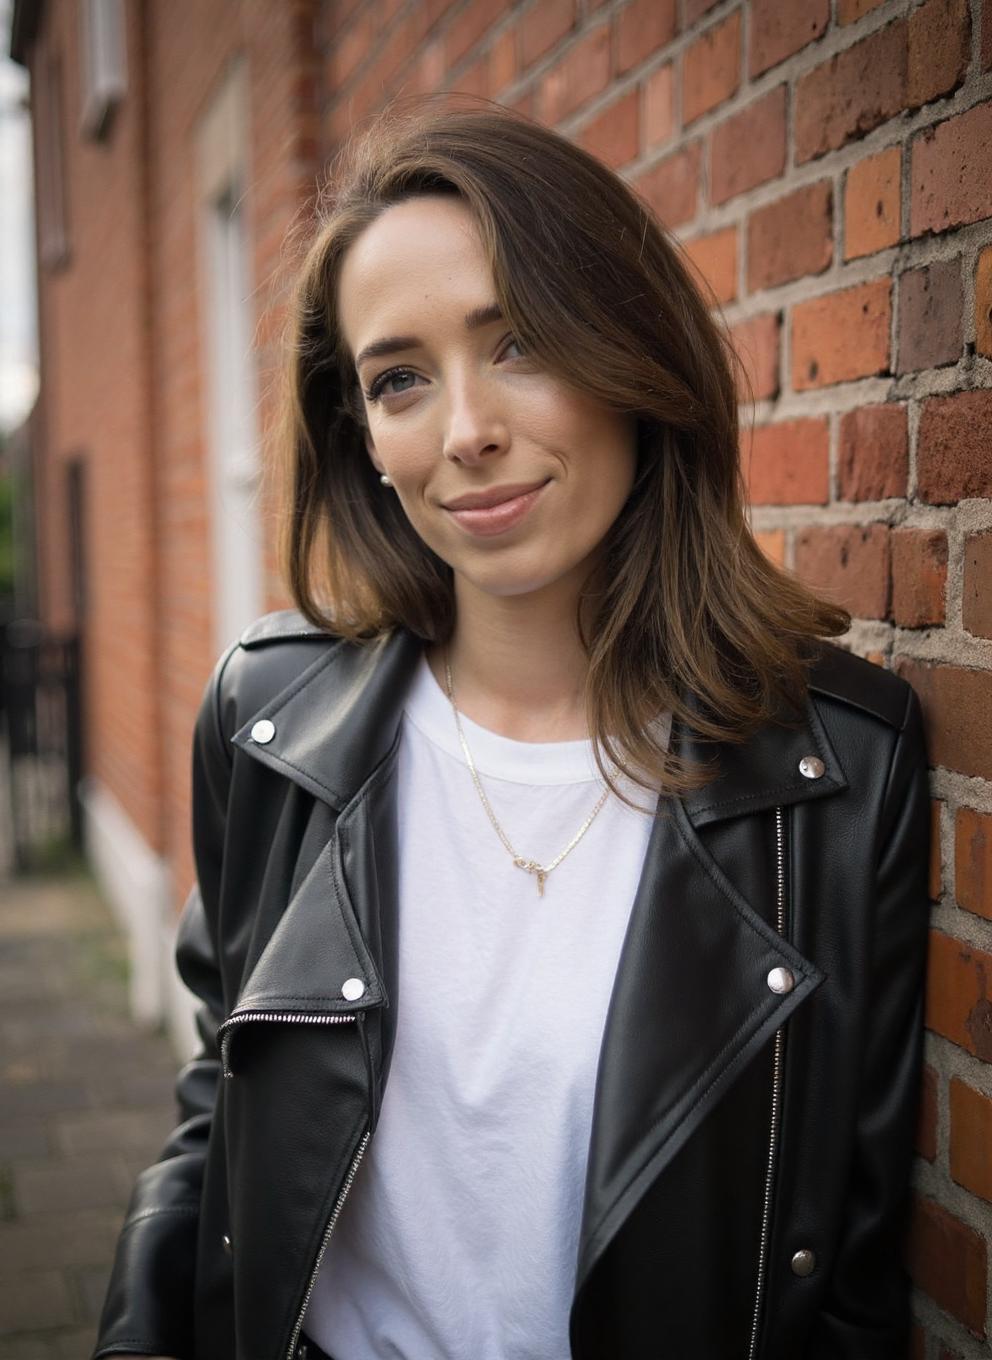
point(85, 1102)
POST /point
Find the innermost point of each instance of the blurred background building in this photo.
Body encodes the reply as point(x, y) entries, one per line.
point(825, 164)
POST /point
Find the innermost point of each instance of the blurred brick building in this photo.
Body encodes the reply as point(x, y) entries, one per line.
point(826, 165)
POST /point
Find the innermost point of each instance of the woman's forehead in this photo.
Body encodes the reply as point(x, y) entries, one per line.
point(419, 258)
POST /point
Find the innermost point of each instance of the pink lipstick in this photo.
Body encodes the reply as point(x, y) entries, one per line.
point(493, 512)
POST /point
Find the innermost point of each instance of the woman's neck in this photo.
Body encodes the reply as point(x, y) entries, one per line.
point(518, 666)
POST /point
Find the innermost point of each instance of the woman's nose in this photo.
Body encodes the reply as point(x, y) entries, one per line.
point(476, 429)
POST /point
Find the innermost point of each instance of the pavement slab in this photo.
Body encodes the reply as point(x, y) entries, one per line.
point(86, 1100)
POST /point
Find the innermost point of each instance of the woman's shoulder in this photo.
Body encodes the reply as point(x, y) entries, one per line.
point(268, 656)
point(838, 675)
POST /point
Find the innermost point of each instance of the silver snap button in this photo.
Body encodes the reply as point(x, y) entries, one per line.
point(781, 980)
point(263, 731)
point(803, 1262)
point(812, 767)
point(228, 1245)
point(352, 989)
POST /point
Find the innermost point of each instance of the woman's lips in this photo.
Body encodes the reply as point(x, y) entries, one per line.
point(496, 519)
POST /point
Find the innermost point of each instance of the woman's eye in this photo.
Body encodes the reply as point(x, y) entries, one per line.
point(399, 375)
point(390, 376)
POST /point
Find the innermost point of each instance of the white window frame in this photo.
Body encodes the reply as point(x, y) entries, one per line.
point(53, 216)
point(226, 297)
point(104, 63)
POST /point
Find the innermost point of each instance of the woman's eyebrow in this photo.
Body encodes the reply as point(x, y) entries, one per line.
point(392, 344)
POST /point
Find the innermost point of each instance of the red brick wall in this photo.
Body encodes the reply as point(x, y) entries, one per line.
point(826, 166)
point(95, 400)
point(123, 371)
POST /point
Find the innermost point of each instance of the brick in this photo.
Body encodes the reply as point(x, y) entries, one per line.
point(614, 134)
point(935, 886)
point(91, 1288)
point(711, 68)
point(957, 701)
point(715, 259)
point(43, 1098)
point(474, 78)
point(971, 1138)
point(85, 1237)
point(976, 594)
point(659, 106)
point(849, 11)
point(919, 577)
point(952, 453)
point(581, 74)
point(76, 1183)
point(787, 463)
point(542, 27)
point(926, 1122)
point(756, 341)
point(973, 861)
point(874, 453)
point(780, 27)
point(351, 48)
point(983, 301)
point(939, 45)
point(949, 181)
point(851, 93)
point(948, 1260)
point(841, 335)
point(643, 27)
point(930, 307)
point(399, 47)
point(772, 544)
point(872, 204)
point(467, 27)
point(791, 237)
point(849, 564)
point(503, 61)
point(426, 77)
point(671, 187)
point(748, 148)
point(92, 1131)
point(695, 9)
point(33, 1300)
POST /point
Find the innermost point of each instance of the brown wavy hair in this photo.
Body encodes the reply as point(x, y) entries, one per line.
point(687, 614)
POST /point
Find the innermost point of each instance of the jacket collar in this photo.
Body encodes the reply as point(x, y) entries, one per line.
point(339, 718)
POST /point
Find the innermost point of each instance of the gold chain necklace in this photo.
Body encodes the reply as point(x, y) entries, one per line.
point(529, 866)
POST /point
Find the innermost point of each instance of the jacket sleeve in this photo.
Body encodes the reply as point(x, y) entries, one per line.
point(148, 1307)
point(867, 1312)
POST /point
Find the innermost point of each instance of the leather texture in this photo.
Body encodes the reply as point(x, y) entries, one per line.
point(295, 847)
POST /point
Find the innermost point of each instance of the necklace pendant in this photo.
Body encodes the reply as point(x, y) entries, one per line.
point(531, 866)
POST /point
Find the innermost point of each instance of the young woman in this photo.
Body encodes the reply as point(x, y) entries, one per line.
point(561, 906)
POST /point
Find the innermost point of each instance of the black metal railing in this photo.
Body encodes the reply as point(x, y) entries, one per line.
point(41, 710)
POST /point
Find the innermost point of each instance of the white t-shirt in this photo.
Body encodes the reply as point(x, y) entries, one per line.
point(459, 1234)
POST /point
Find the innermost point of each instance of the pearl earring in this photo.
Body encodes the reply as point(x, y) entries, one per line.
point(386, 481)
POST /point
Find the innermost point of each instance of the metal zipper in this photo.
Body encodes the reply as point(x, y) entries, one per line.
point(776, 1096)
point(300, 1018)
point(338, 1204)
point(286, 1017)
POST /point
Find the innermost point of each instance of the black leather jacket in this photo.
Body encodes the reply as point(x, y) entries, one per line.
point(752, 1139)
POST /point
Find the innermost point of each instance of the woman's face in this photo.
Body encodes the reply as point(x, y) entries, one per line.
point(509, 474)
